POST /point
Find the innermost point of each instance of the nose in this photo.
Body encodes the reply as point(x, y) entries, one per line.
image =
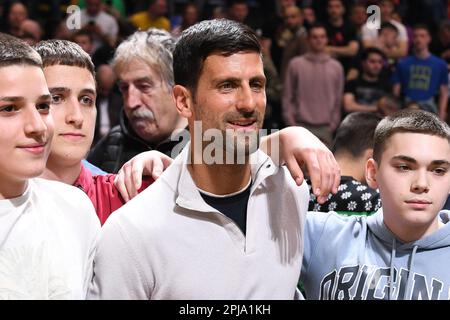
point(246, 101)
point(420, 183)
point(74, 115)
point(34, 124)
point(133, 98)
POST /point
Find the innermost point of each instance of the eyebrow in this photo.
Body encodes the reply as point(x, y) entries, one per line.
point(20, 99)
point(136, 80)
point(45, 97)
point(412, 160)
point(58, 89)
point(91, 91)
point(12, 99)
point(234, 79)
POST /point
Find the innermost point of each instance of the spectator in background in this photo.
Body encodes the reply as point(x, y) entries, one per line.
point(441, 45)
point(342, 40)
point(370, 36)
point(388, 42)
point(358, 18)
point(189, 17)
point(292, 38)
point(218, 12)
point(31, 32)
point(367, 91)
point(143, 67)
point(309, 16)
point(109, 102)
point(103, 26)
point(313, 88)
point(422, 76)
point(153, 17)
point(238, 10)
point(352, 147)
point(84, 39)
point(16, 14)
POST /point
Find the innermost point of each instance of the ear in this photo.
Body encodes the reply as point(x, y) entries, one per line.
point(371, 173)
point(183, 101)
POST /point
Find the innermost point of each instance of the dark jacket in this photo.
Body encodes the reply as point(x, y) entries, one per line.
point(114, 101)
point(121, 144)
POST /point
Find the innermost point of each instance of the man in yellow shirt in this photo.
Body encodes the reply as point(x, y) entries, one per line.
point(153, 17)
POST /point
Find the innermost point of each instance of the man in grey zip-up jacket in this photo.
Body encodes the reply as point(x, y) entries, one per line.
point(403, 251)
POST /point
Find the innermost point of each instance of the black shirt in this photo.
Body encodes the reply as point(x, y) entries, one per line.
point(234, 207)
point(367, 92)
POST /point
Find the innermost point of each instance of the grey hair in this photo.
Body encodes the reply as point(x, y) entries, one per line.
point(153, 47)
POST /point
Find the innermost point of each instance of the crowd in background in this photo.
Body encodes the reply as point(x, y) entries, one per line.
point(321, 59)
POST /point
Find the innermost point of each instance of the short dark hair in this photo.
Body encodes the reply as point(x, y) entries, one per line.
point(408, 121)
point(317, 25)
point(355, 133)
point(372, 50)
point(204, 38)
point(64, 52)
point(81, 32)
point(14, 51)
point(388, 25)
point(421, 26)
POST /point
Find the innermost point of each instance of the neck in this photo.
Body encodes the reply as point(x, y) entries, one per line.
point(408, 233)
point(10, 190)
point(336, 22)
point(422, 53)
point(219, 179)
point(66, 174)
point(369, 78)
point(351, 167)
point(318, 52)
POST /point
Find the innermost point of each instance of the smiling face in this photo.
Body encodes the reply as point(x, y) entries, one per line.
point(73, 110)
point(27, 127)
point(230, 97)
point(413, 184)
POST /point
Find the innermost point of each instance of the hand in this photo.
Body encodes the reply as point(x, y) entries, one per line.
point(129, 178)
point(299, 147)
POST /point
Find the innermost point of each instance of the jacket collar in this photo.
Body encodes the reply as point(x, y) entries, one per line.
point(177, 176)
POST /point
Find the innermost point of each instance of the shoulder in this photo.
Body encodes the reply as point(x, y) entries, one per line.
point(58, 189)
point(297, 61)
point(139, 16)
point(65, 200)
point(147, 210)
point(334, 225)
point(286, 190)
point(438, 61)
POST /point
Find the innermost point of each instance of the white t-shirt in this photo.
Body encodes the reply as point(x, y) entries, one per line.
point(372, 34)
point(47, 242)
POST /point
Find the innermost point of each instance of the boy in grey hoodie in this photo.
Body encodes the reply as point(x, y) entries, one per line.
point(402, 251)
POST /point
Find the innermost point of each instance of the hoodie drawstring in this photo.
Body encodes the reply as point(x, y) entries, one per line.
point(410, 273)
point(391, 273)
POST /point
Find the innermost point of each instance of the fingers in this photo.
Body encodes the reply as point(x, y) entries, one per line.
point(134, 180)
point(120, 185)
point(158, 168)
point(295, 170)
point(323, 172)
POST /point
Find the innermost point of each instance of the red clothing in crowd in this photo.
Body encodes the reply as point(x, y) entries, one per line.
point(102, 192)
